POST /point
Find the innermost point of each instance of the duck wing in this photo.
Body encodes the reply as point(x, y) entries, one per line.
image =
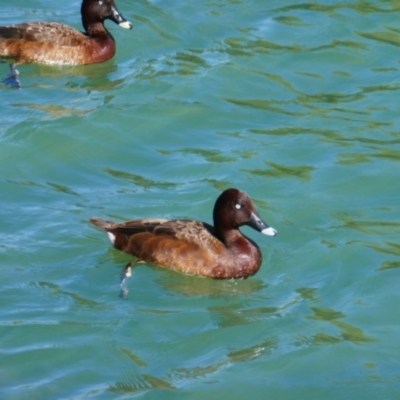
point(50, 32)
point(187, 231)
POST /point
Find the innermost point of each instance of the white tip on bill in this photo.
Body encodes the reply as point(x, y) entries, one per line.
point(269, 231)
point(111, 237)
point(126, 25)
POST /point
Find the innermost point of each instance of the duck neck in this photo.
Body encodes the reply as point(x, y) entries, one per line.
point(228, 236)
point(95, 29)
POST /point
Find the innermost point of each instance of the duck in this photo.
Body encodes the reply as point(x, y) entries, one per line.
point(218, 251)
point(52, 43)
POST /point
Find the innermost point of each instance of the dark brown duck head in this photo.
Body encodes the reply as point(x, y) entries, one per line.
point(95, 12)
point(234, 209)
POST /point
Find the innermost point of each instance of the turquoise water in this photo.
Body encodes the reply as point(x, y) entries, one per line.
point(295, 103)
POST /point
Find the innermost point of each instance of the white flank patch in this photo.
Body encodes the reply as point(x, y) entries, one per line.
point(269, 231)
point(111, 237)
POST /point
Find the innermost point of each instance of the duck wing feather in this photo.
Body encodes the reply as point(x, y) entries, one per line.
point(188, 231)
point(50, 32)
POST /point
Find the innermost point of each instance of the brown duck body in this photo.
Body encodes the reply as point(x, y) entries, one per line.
point(194, 247)
point(186, 246)
point(52, 43)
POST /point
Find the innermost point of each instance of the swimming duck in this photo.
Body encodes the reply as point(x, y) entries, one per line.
point(193, 247)
point(52, 43)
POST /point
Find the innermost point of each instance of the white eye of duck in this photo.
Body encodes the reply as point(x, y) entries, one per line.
point(238, 206)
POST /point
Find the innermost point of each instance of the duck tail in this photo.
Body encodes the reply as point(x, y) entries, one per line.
point(101, 223)
point(107, 226)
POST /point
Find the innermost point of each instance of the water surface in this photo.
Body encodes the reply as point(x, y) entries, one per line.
point(294, 103)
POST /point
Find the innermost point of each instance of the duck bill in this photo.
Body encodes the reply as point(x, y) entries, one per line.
point(117, 17)
point(258, 224)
